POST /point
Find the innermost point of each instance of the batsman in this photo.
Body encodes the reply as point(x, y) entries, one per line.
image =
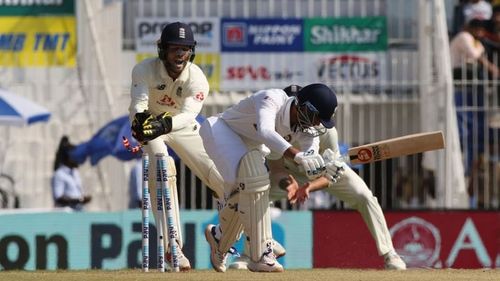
point(239, 140)
point(167, 94)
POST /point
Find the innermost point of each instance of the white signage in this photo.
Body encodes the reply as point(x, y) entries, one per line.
point(206, 33)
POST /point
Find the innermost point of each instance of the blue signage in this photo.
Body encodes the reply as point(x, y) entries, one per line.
point(262, 35)
point(89, 240)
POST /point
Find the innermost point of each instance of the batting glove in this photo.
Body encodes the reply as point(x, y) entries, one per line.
point(334, 165)
point(313, 163)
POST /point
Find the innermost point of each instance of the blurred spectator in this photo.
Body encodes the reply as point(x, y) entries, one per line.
point(477, 9)
point(467, 10)
point(492, 35)
point(135, 185)
point(472, 69)
point(66, 183)
point(468, 53)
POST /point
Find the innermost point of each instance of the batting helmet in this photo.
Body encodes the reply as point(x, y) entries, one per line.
point(317, 100)
point(176, 33)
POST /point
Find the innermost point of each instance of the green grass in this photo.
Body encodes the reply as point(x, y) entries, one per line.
point(289, 275)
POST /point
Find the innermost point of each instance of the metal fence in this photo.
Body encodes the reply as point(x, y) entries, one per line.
point(366, 113)
point(477, 96)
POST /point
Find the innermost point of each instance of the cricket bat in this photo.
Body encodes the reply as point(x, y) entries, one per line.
point(395, 147)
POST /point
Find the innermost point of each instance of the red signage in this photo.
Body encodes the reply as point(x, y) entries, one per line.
point(430, 239)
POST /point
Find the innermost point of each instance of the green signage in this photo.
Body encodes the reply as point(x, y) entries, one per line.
point(345, 34)
point(36, 7)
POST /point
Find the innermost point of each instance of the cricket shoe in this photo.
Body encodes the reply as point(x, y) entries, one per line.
point(267, 263)
point(241, 263)
point(393, 261)
point(278, 249)
point(217, 258)
point(184, 264)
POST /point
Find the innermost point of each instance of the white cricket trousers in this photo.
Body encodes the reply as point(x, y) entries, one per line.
point(352, 190)
point(225, 147)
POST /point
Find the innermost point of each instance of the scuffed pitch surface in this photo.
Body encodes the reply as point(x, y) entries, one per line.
point(289, 275)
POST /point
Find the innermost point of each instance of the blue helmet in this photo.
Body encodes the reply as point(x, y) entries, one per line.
point(177, 33)
point(316, 100)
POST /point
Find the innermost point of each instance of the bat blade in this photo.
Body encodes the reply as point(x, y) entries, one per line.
point(395, 147)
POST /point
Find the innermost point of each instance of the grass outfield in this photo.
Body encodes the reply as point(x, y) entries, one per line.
point(289, 275)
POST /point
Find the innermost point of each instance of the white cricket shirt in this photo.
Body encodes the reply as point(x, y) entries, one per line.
point(153, 89)
point(264, 118)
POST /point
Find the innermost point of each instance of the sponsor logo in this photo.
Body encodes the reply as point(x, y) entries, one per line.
point(149, 28)
point(274, 34)
point(166, 100)
point(161, 87)
point(309, 152)
point(417, 241)
point(364, 155)
point(182, 33)
point(348, 67)
point(376, 152)
point(199, 96)
point(340, 34)
point(234, 34)
point(263, 73)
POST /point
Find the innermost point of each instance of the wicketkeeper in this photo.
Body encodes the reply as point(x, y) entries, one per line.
point(167, 94)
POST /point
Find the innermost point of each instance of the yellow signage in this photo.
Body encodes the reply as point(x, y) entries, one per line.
point(38, 41)
point(210, 64)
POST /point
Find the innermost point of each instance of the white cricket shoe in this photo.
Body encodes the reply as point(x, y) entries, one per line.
point(241, 262)
point(184, 264)
point(217, 258)
point(278, 249)
point(393, 261)
point(267, 263)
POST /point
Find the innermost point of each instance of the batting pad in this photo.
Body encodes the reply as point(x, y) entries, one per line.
point(230, 223)
point(254, 184)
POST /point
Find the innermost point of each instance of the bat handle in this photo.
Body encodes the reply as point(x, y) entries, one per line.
point(345, 158)
point(330, 156)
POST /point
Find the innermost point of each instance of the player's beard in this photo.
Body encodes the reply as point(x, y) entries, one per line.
point(175, 68)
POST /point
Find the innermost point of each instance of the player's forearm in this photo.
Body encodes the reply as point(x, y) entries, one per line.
point(318, 184)
point(291, 152)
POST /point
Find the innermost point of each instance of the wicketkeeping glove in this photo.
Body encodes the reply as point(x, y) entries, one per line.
point(157, 127)
point(313, 163)
point(140, 120)
point(334, 165)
